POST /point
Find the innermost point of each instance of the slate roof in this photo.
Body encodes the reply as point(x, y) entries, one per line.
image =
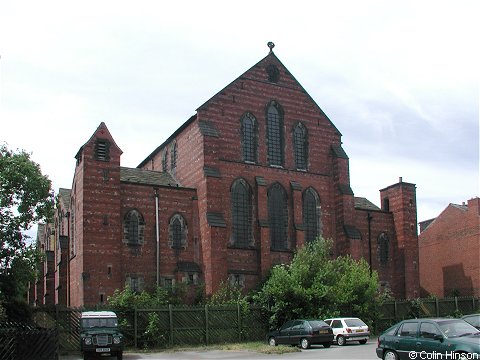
point(425, 224)
point(146, 177)
point(188, 266)
point(460, 207)
point(352, 232)
point(364, 204)
point(64, 197)
point(207, 129)
point(345, 189)
point(339, 152)
point(211, 171)
point(216, 220)
point(40, 232)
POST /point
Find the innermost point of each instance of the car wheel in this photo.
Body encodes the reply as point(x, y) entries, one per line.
point(390, 355)
point(326, 345)
point(119, 355)
point(362, 342)
point(86, 356)
point(272, 341)
point(340, 340)
point(304, 343)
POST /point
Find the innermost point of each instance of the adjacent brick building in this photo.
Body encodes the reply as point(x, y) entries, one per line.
point(449, 251)
point(255, 173)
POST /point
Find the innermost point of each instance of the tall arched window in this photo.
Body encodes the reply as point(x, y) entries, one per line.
point(173, 156)
point(165, 159)
point(177, 231)
point(383, 248)
point(249, 138)
point(300, 146)
point(72, 234)
point(133, 228)
point(275, 134)
point(311, 215)
point(241, 213)
point(277, 217)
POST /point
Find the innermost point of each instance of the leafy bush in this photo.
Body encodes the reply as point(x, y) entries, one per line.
point(315, 286)
point(128, 299)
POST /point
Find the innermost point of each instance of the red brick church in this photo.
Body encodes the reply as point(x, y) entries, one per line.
point(255, 173)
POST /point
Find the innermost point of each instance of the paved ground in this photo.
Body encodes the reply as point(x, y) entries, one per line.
point(350, 351)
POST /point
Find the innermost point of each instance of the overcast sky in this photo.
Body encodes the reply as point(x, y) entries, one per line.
point(399, 79)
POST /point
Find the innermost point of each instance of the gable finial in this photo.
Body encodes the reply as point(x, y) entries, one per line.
point(270, 45)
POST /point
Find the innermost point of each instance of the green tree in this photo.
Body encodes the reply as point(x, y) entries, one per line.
point(25, 199)
point(315, 286)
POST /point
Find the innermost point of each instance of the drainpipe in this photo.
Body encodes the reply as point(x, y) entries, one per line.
point(67, 215)
point(157, 229)
point(369, 219)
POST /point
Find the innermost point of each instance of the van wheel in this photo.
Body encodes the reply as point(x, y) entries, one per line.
point(340, 340)
point(362, 342)
point(304, 343)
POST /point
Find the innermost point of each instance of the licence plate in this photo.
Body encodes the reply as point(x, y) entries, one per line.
point(102, 350)
point(323, 331)
point(359, 330)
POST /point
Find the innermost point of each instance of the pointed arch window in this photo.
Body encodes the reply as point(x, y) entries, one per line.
point(277, 217)
point(173, 156)
point(133, 228)
point(177, 230)
point(300, 146)
point(165, 159)
point(73, 247)
point(311, 215)
point(275, 138)
point(249, 138)
point(383, 248)
point(241, 214)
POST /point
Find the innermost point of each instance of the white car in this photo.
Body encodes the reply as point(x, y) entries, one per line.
point(349, 329)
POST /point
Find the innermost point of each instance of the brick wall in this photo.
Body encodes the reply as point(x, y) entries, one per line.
point(449, 252)
point(209, 160)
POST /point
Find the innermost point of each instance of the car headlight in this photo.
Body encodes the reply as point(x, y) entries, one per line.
point(117, 339)
point(88, 341)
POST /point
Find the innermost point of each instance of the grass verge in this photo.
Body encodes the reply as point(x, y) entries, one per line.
point(257, 346)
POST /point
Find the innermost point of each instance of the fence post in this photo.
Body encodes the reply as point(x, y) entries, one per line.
point(135, 327)
point(239, 322)
point(395, 310)
point(170, 315)
point(206, 325)
point(456, 303)
point(437, 307)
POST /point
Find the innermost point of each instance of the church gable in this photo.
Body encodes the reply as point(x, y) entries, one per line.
point(268, 71)
point(101, 146)
point(265, 117)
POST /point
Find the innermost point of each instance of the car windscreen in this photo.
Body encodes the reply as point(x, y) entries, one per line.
point(354, 322)
point(99, 322)
point(456, 328)
point(473, 320)
point(317, 323)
